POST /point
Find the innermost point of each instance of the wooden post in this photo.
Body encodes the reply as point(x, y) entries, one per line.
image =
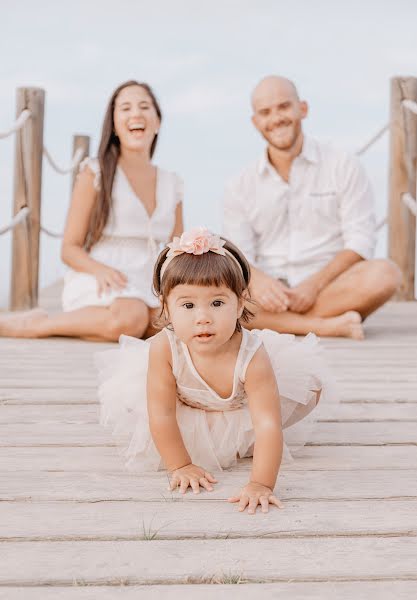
point(27, 192)
point(83, 142)
point(402, 178)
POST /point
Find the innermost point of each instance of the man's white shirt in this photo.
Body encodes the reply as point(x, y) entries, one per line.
point(291, 230)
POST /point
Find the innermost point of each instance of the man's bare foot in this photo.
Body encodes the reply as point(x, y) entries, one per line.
point(347, 325)
point(22, 324)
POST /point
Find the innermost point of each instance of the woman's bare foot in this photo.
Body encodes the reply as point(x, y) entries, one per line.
point(347, 325)
point(22, 324)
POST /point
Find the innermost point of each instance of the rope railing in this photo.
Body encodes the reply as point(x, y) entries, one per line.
point(411, 105)
point(410, 203)
point(76, 159)
point(372, 141)
point(381, 223)
point(18, 124)
point(407, 198)
point(18, 218)
point(50, 233)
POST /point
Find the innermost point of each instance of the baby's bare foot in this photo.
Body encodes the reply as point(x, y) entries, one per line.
point(22, 323)
point(347, 325)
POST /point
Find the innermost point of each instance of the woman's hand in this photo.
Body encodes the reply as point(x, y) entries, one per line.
point(109, 279)
point(191, 476)
point(254, 494)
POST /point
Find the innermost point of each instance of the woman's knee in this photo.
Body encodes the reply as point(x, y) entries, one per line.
point(130, 320)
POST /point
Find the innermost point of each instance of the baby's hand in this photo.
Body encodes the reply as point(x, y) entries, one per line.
point(252, 495)
point(192, 476)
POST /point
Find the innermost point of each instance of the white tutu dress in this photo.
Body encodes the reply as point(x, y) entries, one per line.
point(216, 431)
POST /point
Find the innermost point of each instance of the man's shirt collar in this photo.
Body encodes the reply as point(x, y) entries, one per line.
point(309, 152)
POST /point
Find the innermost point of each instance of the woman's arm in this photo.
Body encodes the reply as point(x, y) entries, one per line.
point(162, 405)
point(76, 229)
point(179, 224)
point(265, 409)
point(77, 223)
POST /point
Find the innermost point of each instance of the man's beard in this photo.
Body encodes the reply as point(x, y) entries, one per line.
point(288, 144)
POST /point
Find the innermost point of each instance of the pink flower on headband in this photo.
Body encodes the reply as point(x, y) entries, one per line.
point(196, 241)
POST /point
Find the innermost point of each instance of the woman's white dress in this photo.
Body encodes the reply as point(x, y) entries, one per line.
point(215, 430)
point(131, 240)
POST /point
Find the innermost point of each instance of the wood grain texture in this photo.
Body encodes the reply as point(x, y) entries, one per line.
point(78, 521)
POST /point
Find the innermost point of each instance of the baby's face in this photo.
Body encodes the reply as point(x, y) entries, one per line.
point(204, 318)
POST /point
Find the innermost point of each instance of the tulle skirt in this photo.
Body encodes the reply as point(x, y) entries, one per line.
point(213, 439)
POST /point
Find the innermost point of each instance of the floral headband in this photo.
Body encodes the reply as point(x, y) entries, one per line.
point(196, 241)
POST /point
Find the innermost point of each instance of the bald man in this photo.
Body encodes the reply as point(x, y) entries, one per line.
point(303, 215)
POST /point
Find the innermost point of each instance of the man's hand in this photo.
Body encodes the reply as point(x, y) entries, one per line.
point(191, 476)
point(303, 296)
point(254, 494)
point(269, 293)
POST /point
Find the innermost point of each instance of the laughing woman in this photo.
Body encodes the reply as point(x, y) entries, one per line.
point(123, 208)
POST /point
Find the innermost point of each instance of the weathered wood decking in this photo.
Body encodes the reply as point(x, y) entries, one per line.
point(74, 525)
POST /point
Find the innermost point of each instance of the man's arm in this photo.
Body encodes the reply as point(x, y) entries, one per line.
point(236, 225)
point(269, 293)
point(357, 222)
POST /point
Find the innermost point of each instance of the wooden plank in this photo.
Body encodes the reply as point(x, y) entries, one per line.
point(69, 459)
point(292, 485)
point(89, 413)
point(403, 143)
point(42, 395)
point(59, 394)
point(27, 192)
point(30, 521)
point(90, 434)
point(63, 413)
point(323, 590)
point(184, 560)
point(54, 434)
point(108, 459)
point(40, 381)
point(353, 494)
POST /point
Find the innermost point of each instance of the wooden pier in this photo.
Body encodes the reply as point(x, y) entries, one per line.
point(74, 525)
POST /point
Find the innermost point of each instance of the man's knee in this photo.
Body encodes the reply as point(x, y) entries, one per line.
point(384, 275)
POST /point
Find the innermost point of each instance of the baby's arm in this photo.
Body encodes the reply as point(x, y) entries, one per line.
point(265, 410)
point(161, 392)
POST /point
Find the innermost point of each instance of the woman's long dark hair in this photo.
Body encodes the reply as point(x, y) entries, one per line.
point(108, 155)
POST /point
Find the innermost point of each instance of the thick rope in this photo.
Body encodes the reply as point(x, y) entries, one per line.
point(381, 224)
point(50, 233)
point(372, 141)
point(411, 105)
point(18, 124)
point(410, 203)
point(18, 218)
point(76, 159)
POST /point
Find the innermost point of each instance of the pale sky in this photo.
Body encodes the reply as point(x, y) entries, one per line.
point(202, 59)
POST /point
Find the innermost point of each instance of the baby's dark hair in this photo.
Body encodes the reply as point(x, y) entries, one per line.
point(208, 269)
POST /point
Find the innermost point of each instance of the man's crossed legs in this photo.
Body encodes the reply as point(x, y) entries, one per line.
point(341, 306)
